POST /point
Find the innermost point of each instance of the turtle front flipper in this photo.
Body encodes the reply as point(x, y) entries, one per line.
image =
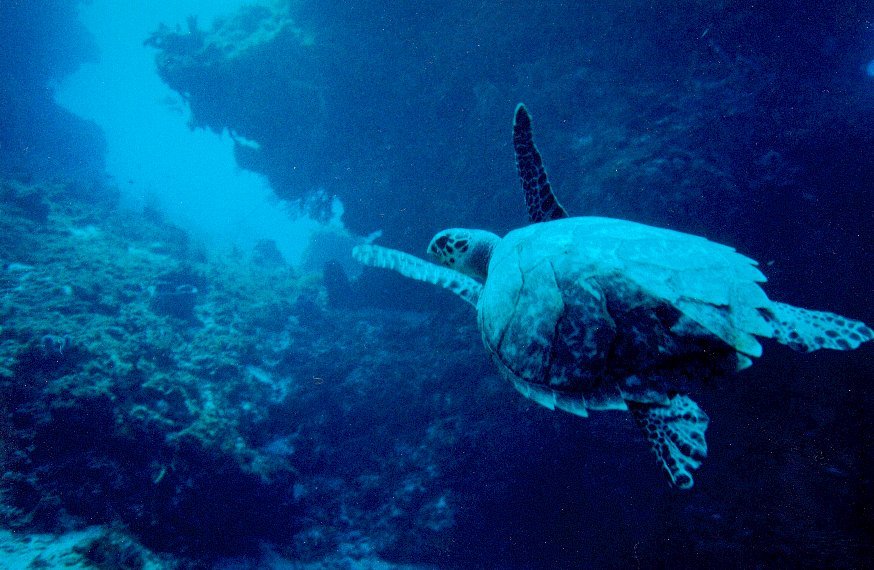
point(676, 432)
point(419, 269)
point(542, 203)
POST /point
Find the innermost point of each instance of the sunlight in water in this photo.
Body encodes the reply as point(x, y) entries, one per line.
point(153, 155)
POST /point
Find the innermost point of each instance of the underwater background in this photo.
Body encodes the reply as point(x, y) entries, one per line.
point(194, 373)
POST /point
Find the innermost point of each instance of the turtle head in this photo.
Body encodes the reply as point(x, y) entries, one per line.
point(467, 251)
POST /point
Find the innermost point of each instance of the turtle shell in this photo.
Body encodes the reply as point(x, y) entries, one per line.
point(609, 310)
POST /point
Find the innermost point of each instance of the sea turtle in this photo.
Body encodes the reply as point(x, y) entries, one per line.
point(592, 313)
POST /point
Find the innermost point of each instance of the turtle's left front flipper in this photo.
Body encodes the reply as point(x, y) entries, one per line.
point(676, 433)
point(419, 269)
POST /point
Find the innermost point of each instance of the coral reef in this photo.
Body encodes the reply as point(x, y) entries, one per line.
point(205, 425)
point(274, 410)
point(94, 369)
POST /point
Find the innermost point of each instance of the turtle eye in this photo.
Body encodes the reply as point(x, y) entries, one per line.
point(442, 241)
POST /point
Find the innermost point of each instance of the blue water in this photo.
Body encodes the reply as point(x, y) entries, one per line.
point(192, 362)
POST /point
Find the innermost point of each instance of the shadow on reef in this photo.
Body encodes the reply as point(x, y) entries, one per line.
point(176, 293)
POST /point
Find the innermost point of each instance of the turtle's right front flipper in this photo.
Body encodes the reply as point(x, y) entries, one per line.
point(419, 269)
point(676, 433)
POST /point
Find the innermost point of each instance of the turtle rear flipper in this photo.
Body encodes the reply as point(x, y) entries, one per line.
point(805, 330)
point(419, 269)
point(676, 432)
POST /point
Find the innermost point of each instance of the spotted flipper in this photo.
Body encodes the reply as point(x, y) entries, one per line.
point(805, 330)
point(676, 432)
point(419, 269)
point(542, 203)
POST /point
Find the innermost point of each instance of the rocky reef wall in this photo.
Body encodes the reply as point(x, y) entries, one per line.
point(41, 41)
point(658, 114)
